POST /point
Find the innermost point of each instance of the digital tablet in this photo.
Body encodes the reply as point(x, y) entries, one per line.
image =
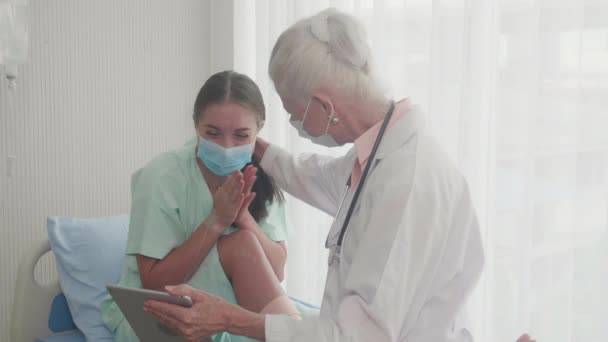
point(131, 302)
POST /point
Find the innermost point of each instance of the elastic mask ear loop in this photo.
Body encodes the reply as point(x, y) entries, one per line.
point(306, 111)
point(329, 120)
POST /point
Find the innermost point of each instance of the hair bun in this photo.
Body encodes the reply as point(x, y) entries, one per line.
point(345, 37)
point(320, 28)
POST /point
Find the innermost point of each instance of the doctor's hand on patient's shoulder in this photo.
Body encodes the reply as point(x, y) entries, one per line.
point(203, 319)
point(228, 199)
point(261, 146)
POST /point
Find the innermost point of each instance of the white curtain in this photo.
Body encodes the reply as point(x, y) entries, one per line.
point(517, 93)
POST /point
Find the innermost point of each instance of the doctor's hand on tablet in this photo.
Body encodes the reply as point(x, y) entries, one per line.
point(203, 319)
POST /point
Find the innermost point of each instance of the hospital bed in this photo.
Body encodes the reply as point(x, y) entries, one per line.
point(88, 254)
point(40, 311)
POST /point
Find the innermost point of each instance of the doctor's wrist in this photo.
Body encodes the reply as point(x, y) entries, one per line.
point(240, 321)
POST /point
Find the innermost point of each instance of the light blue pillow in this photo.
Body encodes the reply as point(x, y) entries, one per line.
point(89, 254)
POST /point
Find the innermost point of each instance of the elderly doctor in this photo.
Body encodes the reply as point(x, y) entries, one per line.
point(405, 248)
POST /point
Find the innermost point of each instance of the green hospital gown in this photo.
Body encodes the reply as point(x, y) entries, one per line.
point(170, 199)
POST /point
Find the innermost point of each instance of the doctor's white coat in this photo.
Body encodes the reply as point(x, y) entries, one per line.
point(412, 253)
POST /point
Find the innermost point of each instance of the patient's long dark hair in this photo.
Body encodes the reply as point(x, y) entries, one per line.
point(238, 88)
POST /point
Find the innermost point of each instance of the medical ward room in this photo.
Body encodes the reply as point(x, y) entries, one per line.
point(321, 170)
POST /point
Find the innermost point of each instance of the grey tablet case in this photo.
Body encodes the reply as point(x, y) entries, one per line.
point(146, 327)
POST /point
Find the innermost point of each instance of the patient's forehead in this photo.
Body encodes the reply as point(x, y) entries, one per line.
point(228, 116)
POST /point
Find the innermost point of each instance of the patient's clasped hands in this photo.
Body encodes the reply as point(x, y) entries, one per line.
point(232, 199)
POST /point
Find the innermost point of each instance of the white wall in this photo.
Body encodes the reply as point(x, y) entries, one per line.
point(109, 84)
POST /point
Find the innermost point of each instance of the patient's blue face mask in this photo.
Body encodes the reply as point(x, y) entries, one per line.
point(223, 161)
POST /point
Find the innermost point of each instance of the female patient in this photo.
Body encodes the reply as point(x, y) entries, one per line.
point(200, 216)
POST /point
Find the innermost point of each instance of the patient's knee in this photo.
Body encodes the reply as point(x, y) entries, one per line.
point(242, 239)
point(238, 247)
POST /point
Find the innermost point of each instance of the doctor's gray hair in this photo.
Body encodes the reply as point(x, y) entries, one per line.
point(329, 48)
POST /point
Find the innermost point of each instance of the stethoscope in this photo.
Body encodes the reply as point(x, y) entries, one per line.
point(337, 251)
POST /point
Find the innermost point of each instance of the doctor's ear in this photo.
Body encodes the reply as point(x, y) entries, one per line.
point(325, 101)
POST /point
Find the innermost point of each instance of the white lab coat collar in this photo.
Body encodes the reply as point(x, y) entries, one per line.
point(408, 125)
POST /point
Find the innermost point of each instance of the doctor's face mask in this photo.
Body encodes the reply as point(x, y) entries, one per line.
point(324, 139)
